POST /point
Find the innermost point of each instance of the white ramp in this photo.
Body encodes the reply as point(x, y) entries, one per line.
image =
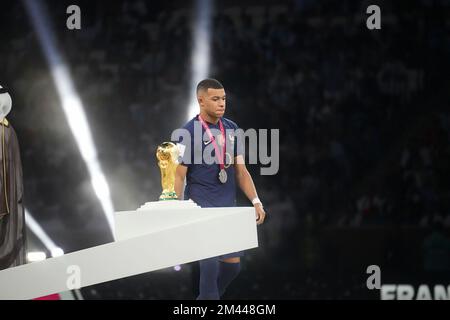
point(151, 238)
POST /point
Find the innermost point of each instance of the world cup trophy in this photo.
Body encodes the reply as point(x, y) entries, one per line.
point(167, 155)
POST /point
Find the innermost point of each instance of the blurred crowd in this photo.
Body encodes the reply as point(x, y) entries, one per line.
point(363, 117)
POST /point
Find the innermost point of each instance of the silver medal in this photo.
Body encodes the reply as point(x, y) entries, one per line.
point(223, 176)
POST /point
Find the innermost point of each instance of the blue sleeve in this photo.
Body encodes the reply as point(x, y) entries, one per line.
point(239, 146)
point(185, 147)
point(238, 140)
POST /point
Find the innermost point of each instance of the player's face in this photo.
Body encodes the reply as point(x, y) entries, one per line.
point(213, 102)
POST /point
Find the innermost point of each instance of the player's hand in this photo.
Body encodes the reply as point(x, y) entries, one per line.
point(260, 213)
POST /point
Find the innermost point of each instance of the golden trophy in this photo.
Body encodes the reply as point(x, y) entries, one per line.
point(167, 155)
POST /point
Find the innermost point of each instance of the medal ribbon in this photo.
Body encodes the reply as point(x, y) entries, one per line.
point(219, 155)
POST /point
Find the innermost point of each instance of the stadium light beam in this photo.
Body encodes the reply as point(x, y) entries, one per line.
point(49, 244)
point(201, 54)
point(36, 256)
point(72, 106)
point(37, 230)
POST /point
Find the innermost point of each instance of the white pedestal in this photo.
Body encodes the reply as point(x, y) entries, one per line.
point(156, 236)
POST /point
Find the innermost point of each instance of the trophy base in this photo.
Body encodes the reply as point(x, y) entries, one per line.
point(165, 196)
point(168, 205)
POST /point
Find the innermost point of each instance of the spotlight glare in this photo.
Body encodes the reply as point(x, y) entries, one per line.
point(57, 252)
point(35, 256)
point(72, 106)
point(201, 50)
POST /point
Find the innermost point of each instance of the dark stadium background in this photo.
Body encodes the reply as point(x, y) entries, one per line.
point(364, 123)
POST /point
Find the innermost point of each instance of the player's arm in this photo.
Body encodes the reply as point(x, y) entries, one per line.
point(245, 182)
point(180, 175)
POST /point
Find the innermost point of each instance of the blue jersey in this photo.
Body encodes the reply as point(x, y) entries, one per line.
point(202, 177)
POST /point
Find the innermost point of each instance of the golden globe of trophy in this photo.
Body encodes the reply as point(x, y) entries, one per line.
point(167, 155)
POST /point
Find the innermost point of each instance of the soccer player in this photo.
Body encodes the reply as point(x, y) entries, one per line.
point(214, 185)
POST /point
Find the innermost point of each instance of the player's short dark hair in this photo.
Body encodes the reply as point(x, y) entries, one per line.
point(209, 83)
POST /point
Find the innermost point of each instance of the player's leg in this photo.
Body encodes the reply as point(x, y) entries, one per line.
point(229, 268)
point(209, 271)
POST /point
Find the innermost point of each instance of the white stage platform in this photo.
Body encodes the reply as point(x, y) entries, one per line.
point(156, 236)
